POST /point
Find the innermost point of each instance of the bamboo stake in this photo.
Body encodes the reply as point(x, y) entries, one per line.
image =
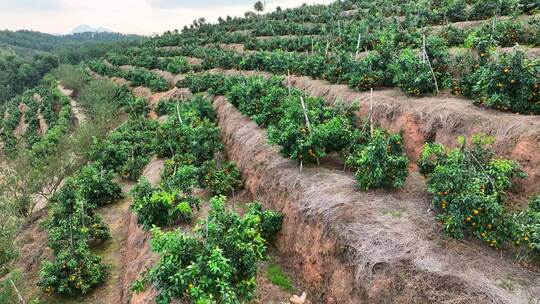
point(327, 46)
point(305, 113)
point(17, 291)
point(289, 81)
point(426, 59)
point(358, 46)
point(178, 113)
point(371, 111)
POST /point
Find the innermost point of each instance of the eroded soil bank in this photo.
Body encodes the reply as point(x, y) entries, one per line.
point(350, 246)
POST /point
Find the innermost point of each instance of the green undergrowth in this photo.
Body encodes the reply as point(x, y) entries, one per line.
point(276, 275)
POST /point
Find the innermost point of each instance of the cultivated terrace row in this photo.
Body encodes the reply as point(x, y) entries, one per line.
point(266, 172)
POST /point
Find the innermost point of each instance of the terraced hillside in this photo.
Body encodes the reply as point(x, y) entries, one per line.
point(392, 149)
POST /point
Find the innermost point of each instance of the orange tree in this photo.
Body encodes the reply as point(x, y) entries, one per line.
point(469, 185)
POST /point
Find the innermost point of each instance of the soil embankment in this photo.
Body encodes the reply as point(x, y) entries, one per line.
point(367, 247)
point(436, 118)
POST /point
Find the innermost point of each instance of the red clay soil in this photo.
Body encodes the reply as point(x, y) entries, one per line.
point(350, 246)
point(437, 118)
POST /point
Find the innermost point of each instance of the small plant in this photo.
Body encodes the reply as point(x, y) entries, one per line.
point(380, 162)
point(156, 207)
point(278, 278)
point(216, 265)
point(469, 187)
point(221, 178)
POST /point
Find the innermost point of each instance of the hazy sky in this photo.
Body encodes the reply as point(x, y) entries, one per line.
point(127, 16)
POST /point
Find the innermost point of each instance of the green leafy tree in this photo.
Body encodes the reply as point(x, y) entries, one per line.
point(469, 185)
point(221, 178)
point(258, 6)
point(216, 265)
point(380, 162)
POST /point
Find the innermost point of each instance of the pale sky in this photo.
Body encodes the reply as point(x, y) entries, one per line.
point(126, 16)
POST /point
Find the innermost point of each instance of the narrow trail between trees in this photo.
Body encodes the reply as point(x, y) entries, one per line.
point(80, 118)
point(358, 246)
point(75, 108)
point(129, 253)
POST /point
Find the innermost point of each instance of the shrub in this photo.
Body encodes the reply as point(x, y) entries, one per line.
point(371, 72)
point(220, 178)
point(199, 138)
point(96, 186)
point(258, 98)
point(126, 150)
point(380, 162)
point(469, 187)
point(527, 229)
point(144, 77)
point(74, 271)
point(7, 293)
point(327, 131)
point(412, 74)
point(71, 217)
point(197, 106)
point(179, 175)
point(483, 9)
point(216, 265)
point(157, 207)
point(509, 83)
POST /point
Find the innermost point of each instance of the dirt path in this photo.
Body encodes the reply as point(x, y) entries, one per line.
point(41, 202)
point(355, 247)
point(75, 108)
point(129, 251)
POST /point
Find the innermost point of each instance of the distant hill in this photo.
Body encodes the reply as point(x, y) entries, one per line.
point(36, 41)
point(83, 28)
point(25, 56)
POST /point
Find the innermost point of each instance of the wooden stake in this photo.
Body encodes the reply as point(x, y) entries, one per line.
point(358, 46)
point(371, 111)
point(305, 113)
point(17, 291)
point(426, 59)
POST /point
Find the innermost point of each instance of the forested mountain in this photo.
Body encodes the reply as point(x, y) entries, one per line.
point(25, 56)
point(46, 42)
